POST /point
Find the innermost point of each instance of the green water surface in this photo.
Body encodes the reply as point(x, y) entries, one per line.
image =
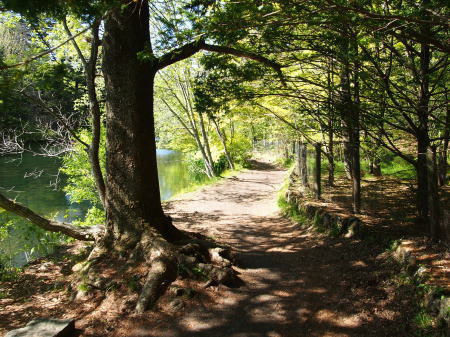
point(34, 182)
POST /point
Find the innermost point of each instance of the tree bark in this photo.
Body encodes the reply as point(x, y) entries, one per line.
point(377, 167)
point(330, 155)
point(433, 196)
point(423, 140)
point(349, 111)
point(132, 200)
point(443, 153)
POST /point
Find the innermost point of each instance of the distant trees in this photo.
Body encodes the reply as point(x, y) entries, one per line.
point(176, 96)
point(385, 67)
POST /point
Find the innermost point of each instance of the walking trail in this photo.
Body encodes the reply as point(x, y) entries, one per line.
point(297, 282)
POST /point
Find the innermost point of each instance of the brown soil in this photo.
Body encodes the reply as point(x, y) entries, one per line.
point(296, 282)
point(388, 211)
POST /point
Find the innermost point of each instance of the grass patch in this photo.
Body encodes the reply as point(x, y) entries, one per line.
point(84, 287)
point(285, 162)
point(3, 295)
point(399, 168)
point(423, 321)
point(291, 211)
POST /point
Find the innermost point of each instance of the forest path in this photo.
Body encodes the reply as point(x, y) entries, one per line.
point(297, 283)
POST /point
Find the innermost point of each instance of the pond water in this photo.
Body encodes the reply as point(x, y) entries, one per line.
point(31, 181)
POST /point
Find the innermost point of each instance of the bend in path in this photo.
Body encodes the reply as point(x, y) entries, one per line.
point(297, 283)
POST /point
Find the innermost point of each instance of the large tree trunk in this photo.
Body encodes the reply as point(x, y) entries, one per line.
point(136, 227)
point(132, 200)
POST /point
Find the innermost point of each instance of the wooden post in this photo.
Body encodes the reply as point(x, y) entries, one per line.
point(433, 195)
point(317, 184)
point(303, 164)
point(298, 158)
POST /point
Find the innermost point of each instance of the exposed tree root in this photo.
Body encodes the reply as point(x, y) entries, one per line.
point(158, 263)
point(162, 272)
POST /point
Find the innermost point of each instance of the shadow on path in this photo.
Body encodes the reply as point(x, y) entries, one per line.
point(297, 283)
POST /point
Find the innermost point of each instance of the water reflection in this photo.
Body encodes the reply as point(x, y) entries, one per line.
point(34, 182)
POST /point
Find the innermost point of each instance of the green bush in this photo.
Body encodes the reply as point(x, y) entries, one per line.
point(196, 169)
point(285, 162)
point(221, 164)
point(240, 149)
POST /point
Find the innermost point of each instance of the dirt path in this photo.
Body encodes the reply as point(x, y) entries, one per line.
point(297, 283)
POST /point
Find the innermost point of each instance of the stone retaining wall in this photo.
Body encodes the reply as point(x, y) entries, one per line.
point(436, 303)
point(339, 225)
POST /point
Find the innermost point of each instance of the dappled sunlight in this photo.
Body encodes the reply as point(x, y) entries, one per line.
point(297, 282)
point(330, 317)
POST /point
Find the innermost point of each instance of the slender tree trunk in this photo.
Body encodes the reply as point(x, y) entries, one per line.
point(208, 166)
point(423, 141)
point(94, 108)
point(443, 153)
point(377, 167)
point(330, 155)
point(206, 142)
point(209, 169)
point(224, 143)
point(349, 110)
point(90, 66)
point(345, 107)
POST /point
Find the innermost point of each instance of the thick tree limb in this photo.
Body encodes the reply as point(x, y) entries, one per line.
point(77, 232)
point(192, 48)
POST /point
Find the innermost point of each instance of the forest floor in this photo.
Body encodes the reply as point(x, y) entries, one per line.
point(296, 282)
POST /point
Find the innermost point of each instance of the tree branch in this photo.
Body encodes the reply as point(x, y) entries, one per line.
point(77, 232)
point(45, 52)
point(192, 48)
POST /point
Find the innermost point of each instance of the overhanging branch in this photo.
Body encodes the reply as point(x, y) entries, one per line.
point(192, 48)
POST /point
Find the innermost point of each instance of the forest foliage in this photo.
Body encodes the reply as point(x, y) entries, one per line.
point(367, 79)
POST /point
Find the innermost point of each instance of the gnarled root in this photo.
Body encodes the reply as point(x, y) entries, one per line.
point(153, 264)
point(162, 272)
point(213, 263)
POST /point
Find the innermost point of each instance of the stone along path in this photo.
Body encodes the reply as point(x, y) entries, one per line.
point(297, 282)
